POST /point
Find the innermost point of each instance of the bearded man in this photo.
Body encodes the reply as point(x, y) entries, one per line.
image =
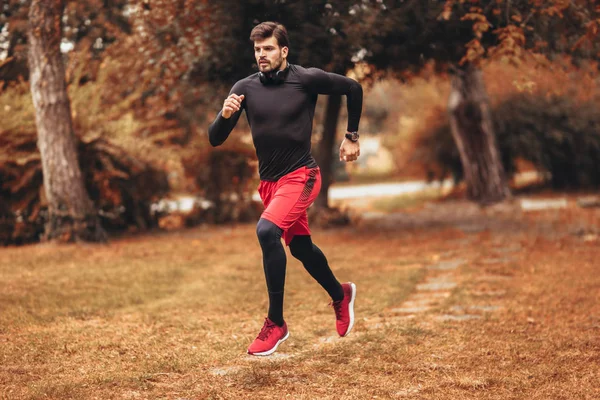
point(280, 101)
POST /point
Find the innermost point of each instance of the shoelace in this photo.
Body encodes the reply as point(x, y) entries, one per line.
point(266, 330)
point(337, 307)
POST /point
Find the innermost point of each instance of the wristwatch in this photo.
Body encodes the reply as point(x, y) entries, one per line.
point(352, 136)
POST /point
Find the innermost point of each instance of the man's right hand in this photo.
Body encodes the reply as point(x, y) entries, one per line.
point(231, 105)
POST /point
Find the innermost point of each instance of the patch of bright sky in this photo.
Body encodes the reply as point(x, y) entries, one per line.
point(66, 46)
point(4, 42)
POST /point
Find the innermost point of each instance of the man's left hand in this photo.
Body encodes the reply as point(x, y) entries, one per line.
point(349, 150)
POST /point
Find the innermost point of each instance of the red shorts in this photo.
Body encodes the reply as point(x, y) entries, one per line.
point(287, 200)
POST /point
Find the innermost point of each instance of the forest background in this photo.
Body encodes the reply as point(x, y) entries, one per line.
point(512, 84)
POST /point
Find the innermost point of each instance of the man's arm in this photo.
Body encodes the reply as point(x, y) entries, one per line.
point(321, 82)
point(228, 117)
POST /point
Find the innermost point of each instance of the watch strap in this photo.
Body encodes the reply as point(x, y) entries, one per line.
point(352, 136)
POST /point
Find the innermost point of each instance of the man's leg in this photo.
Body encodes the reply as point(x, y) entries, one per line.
point(274, 264)
point(274, 330)
point(316, 264)
point(314, 261)
point(285, 210)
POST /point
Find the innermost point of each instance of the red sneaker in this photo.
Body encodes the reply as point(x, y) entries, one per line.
point(268, 339)
point(344, 310)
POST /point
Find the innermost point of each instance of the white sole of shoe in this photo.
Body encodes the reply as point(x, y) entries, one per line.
point(351, 309)
point(271, 351)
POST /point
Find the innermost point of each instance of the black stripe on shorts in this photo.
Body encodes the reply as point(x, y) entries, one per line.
point(310, 184)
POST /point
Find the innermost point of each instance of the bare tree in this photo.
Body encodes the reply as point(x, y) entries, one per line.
point(71, 213)
point(473, 132)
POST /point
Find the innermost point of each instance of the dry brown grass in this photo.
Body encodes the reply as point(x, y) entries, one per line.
point(169, 316)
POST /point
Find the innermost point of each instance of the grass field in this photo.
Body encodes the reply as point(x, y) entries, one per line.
point(515, 313)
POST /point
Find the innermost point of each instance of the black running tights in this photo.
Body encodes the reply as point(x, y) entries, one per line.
point(274, 263)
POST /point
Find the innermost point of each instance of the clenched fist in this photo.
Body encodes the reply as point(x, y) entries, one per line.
point(349, 150)
point(231, 105)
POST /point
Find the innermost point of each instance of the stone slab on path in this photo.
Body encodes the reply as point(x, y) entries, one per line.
point(438, 283)
point(447, 265)
point(222, 371)
point(277, 356)
point(472, 308)
point(431, 295)
point(493, 278)
point(420, 302)
point(497, 260)
point(488, 293)
point(543, 204)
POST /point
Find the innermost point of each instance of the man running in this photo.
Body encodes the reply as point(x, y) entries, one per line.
point(280, 104)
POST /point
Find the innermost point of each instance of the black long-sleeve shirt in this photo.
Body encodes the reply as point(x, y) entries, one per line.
point(281, 116)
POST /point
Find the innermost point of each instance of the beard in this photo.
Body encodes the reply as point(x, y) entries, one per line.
point(275, 66)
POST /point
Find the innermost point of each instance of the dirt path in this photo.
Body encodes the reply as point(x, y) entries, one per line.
point(512, 304)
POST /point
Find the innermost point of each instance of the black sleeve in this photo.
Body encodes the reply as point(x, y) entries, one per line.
point(221, 127)
point(320, 82)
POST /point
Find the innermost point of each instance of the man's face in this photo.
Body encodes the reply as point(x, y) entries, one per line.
point(269, 56)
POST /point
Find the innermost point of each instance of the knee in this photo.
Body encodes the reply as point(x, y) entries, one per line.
point(267, 232)
point(300, 246)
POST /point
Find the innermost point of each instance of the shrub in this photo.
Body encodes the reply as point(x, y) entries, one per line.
point(226, 177)
point(558, 135)
point(123, 188)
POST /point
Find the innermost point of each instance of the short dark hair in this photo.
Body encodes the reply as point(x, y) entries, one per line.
point(265, 30)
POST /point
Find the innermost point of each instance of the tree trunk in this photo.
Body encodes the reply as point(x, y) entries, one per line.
point(325, 148)
point(473, 132)
point(71, 213)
